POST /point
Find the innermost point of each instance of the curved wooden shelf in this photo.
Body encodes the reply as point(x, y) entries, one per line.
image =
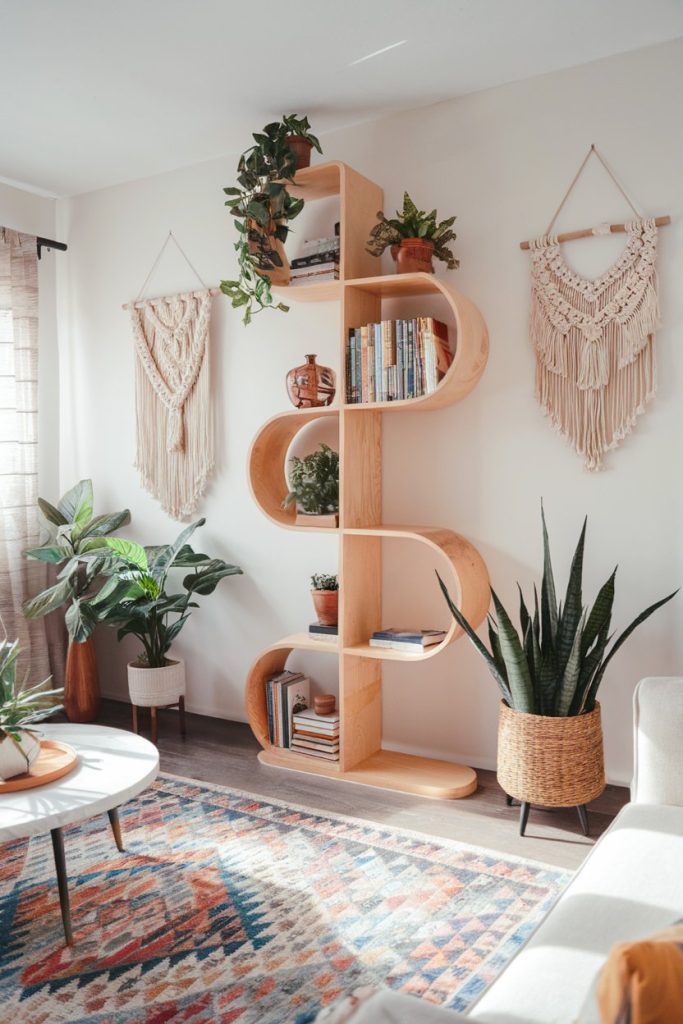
point(325, 291)
point(266, 462)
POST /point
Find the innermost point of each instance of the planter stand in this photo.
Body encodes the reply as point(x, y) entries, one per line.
point(180, 704)
point(524, 809)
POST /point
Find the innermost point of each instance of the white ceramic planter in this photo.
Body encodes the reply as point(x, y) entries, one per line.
point(12, 761)
point(155, 687)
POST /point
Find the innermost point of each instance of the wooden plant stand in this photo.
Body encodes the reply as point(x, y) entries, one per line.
point(180, 704)
point(361, 530)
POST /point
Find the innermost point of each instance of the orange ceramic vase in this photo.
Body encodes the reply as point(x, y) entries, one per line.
point(81, 688)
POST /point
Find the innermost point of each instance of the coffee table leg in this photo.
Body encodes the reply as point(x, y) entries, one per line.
point(116, 827)
point(62, 882)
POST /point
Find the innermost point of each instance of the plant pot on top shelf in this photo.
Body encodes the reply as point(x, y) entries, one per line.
point(325, 594)
point(414, 238)
point(300, 140)
point(413, 255)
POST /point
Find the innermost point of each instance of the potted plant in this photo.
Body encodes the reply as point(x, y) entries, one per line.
point(300, 139)
point(415, 237)
point(325, 593)
point(549, 734)
point(139, 600)
point(314, 486)
point(20, 708)
point(76, 543)
point(262, 208)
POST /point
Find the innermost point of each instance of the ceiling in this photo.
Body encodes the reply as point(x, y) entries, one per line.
point(95, 92)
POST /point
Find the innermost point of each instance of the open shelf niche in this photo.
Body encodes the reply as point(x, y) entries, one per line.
point(361, 528)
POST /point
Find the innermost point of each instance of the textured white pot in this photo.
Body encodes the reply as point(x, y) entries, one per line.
point(12, 761)
point(154, 687)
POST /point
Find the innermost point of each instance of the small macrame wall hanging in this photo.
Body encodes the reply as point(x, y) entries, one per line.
point(594, 339)
point(175, 444)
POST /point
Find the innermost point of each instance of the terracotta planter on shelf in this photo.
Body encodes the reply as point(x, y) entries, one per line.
point(156, 687)
point(302, 150)
point(81, 686)
point(413, 255)
point(326, 604)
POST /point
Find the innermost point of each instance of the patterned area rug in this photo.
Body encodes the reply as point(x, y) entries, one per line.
point(226, 907)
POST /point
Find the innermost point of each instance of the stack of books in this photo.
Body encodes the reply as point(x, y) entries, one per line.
point(319, 261)
point(414, 641)
point(318, 632)
point(396, 359)
point(287, 693)
point(317, 735)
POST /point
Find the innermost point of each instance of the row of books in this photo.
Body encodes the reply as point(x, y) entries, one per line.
point(287, 693)
point(410, 640)
point(396, 359)
point(316, 631)
point(316, 735)
point(319, 261)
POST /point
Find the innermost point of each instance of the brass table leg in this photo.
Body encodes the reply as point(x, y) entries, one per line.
point(62, 882)
point(116, 827)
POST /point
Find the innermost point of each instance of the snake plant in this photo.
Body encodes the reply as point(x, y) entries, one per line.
point(555, 664)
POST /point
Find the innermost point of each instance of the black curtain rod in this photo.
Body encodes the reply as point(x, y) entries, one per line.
point(49, 243)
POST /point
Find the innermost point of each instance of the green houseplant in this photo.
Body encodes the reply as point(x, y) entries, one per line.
point(262, 208)
point(314, 486)
point(21, 707)
point(139, 600)
point(300, 139)
point(325, 593)
point(77, 544)
point(415, 237)
point(548, 673)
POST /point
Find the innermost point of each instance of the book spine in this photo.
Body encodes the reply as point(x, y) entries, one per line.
point(269, 710)
point(349, 367)
point(364, 363)
point(399, 360)
point(359, 370)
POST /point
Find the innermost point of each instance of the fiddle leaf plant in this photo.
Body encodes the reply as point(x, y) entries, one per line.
point(414, 223)
point(262, 208)
point(556, 662)
point(314, 482)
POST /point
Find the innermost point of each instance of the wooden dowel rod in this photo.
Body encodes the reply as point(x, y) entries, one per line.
point(614, 229)
point(181, 295)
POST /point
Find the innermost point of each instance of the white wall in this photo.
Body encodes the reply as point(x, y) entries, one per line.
point(35, 215)
point(501, 160)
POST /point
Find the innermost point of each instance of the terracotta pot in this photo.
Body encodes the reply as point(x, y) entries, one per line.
point(326, 603)
point(413, 255)
point(156, 687)
point(302, 150)
point(552, 762)
point(13, 761)
point(81, 687)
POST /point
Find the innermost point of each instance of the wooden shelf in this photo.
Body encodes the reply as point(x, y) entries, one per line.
point(362, 534)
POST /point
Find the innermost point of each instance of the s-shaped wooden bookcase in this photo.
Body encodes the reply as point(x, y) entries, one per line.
point(361, 530)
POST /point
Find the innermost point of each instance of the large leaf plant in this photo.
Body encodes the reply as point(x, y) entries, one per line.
point(555, 663)
point(139, 599)
point(21, 706)
point(414, 223)
point(263, 208)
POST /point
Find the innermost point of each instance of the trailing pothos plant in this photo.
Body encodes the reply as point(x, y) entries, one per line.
point(138, 597)
point(414, 223)
point(314, 482)
point(554, 666)
point(21, 706)
point(262, 208)
point(77, 541)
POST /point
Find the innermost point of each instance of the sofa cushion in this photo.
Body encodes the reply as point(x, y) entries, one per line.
point(643, 981)
point(630, 886)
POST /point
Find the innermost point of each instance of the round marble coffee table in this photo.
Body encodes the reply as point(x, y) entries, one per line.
point(113, 766)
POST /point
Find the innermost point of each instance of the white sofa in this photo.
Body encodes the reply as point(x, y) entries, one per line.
point(630, 886)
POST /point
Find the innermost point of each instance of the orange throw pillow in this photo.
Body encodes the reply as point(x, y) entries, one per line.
point(642, 982)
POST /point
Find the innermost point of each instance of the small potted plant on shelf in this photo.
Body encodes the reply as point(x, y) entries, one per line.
point(77, 544)
point(21, 707)
point(415, 237)
point(300, 139)
point(262, 208)
point(550, 748)
point(137, 598)
point(325, 593)
point(314, 486)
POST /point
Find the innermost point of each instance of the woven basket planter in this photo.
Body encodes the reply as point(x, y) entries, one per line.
point(156, 687)
point(553, 762)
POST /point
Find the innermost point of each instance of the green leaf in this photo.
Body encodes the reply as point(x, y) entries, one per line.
point(573, 605)
point(548, 598)
point(80, 620)
point(53, 555)
point(49, 600)
point(52, 514)
point(206, 580)
point(187, 557)
point(100, 526)
point(163, 561)
point(77, 504)
point(600, 614)
point(128, 550)
point(519, 678)
point(570, 678)
point(467, 629)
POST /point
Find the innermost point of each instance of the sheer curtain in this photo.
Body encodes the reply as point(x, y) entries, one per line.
point(19, 525)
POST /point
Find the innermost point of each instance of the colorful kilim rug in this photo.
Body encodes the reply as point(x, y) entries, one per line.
point(226, 907)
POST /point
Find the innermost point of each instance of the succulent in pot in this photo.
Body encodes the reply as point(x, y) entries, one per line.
point(314, 486)
point(415, 238)
point(300, 139)
point(550, 748)
point(325, 593)
point(77, 545)
point(21, 708)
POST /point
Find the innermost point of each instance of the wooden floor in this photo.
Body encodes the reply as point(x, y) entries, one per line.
point(225, 753)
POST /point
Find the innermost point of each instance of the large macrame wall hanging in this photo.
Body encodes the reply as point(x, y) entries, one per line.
point(175, 443)
point(594, 339)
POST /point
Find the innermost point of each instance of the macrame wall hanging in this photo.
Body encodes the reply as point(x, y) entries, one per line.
point(175, 445)
point(594, 339)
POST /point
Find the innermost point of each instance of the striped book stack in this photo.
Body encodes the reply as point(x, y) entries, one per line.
point(317, 735)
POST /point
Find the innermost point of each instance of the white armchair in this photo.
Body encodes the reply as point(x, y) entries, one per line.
point(658, 741)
